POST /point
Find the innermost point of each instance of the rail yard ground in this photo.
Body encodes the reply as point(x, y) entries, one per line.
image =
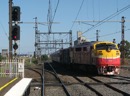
point(77, 82)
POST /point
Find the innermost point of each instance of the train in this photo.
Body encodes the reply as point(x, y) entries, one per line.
point(104, 56)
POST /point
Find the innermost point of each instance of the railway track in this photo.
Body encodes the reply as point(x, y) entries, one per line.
point(104, 85)
point(80, 84)
point(125, 68)
point(60, 81)
point(37, 82)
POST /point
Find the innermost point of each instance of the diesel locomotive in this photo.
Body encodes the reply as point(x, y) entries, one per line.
point(104, 56)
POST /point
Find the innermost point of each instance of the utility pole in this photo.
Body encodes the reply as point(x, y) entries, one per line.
point(114, 40)
point(123, 41)
point(49, 18)
point(97, 35)
point(10, 29)
point(37, 40)
point(70, 37)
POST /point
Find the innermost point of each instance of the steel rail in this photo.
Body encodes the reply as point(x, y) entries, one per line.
point(88, 86)
point(64, 87)
point(126, 68)
point(111, 87)
point(42, 79)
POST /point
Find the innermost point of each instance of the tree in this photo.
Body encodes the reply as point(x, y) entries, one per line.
point(44, 57)
point(126, 48)
point(0, 58)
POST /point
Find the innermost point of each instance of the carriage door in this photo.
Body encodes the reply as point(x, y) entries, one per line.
point(91, 55)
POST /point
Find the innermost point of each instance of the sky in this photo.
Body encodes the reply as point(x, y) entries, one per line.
point(67, 12)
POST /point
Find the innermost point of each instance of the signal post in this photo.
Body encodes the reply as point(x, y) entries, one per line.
point(14, 28)
point(10, 29)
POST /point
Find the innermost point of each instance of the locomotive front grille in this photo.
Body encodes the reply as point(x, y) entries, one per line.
point(110, 68)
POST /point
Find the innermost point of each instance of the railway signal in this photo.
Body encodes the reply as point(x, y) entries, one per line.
point(15, 46)
point(15, 13)
point(15, 32)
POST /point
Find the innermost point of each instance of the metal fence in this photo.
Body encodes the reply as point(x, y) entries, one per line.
point(13, 68)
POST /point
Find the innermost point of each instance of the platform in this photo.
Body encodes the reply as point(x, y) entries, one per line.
point(21, 88)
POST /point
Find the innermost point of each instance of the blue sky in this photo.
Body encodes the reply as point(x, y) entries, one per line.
point(65, 15)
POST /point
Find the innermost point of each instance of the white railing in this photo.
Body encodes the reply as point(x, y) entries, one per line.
point(13, 68)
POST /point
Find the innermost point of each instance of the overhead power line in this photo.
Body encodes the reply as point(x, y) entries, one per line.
point(55, 10)
point(108, 18)
point(77, 14)
point(75, 18)
point(4, 29)
point(50, 19)
point(110, 34)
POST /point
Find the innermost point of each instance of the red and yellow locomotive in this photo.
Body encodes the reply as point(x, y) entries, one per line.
point(104, 56)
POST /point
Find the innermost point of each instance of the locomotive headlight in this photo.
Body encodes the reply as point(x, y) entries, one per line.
point(117, 53)
point(100, 53)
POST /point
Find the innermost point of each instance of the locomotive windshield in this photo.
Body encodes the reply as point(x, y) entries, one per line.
point(104, 46)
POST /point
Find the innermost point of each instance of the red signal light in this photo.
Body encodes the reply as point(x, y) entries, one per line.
point(15, 32)
point(14, 37)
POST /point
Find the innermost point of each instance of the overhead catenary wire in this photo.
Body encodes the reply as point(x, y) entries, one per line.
point(77, 14)
point(55, 10)
point(102, 21)
point(4, 30)
point(109, 34)
point(50, 19)
point(108, 18)
point(75, 17)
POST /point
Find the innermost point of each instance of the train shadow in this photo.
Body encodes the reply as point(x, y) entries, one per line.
point(68, 70)
point(118, 77)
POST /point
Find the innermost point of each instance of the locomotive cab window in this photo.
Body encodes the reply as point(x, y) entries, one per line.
point(78, 49)
point(105, 46)
point(91, 47)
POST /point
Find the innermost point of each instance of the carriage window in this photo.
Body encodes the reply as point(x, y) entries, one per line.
point(71, 49)
point(78, 49)
point(84, 48)
point(103, 46)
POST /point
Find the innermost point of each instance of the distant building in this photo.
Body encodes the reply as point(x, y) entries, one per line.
point(80, 39)
point(23, 55)
point(4, 53)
